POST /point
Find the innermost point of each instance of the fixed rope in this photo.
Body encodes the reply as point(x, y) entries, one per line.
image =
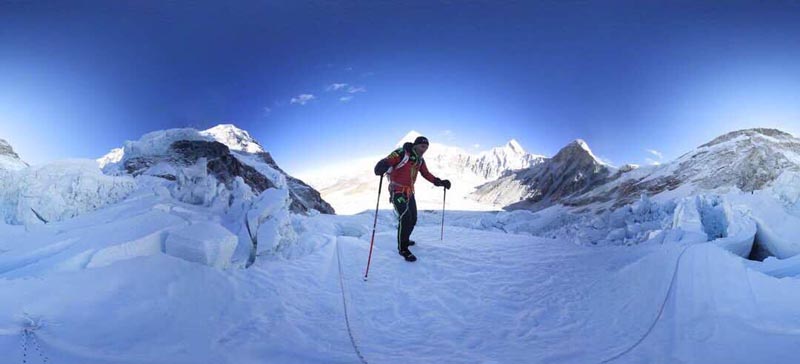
point(344, 303)
point(660, 310)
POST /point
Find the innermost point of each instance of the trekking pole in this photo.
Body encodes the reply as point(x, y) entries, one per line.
point(374, 224)
point(443, 201)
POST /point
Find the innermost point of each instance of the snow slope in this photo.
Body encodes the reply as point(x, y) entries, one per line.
point(78, 293)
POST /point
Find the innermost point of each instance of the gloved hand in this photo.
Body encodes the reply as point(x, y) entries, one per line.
point(441, 183)
point(446, 184)
point(382, 167)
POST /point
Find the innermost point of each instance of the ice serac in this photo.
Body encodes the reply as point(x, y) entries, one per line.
point(59, 190)
point(205, 243)
point(302, 194)
point(53, 191)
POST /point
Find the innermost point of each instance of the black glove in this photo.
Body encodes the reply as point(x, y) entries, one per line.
point(382, 167)
point(441, 182)
point(446, 184)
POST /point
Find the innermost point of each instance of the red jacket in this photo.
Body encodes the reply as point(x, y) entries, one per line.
point(405, 163)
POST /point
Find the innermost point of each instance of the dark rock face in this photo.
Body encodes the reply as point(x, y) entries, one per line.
point(221, 163)
point(571, 172)
point(136, 166)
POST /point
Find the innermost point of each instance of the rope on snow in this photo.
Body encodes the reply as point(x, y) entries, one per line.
point(660, 310)
point(344, 303)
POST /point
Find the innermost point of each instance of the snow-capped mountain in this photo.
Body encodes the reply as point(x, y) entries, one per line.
point(493, 163)
point(751, 176)
point(9, 159)
point(352, 187)
point(573, 171)
point(747, 160)
point(114, 156)
point(226, 151)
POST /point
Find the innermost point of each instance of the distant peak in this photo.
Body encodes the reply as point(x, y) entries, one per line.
point(234, 138)
point(409, 137)
point(6, 149)
point(514, 145)
point(578, 143)
point(228, 128)
point(9, 158)
point(773, 133)
point(581, 147)
point(582, 143)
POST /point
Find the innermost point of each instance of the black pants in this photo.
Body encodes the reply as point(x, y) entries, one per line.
point(406, 208)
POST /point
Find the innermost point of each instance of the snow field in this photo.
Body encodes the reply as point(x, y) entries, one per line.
point(481, 295)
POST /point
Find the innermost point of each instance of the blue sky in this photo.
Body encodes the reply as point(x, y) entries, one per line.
point(78, 78)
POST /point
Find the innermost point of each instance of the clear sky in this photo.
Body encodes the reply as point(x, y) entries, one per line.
point(319, 80)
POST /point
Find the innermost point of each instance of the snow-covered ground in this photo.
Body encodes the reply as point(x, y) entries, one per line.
point(109, 286)
point(175, 266)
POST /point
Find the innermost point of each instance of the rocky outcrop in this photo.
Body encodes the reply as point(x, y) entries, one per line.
point(6, 150)
point(8, 158)
point(304, 197)
point(234, 154)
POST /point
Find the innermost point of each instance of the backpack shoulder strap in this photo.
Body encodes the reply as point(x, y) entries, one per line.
point(402, 162)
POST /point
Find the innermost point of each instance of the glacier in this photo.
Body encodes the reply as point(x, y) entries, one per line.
point(151, 269)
